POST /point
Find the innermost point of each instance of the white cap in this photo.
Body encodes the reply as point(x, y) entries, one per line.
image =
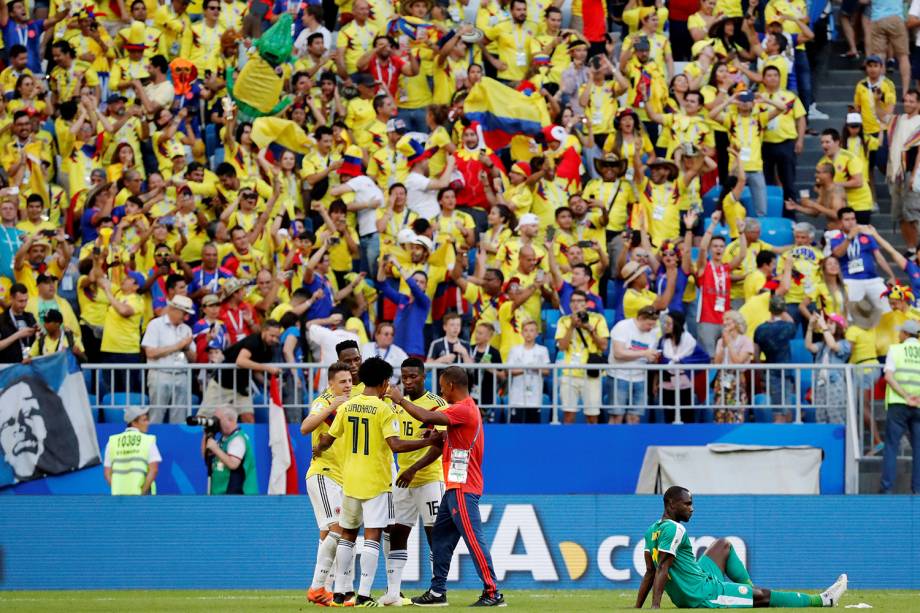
point(528, 219)
point(183, 303)
point(406, 235)
point(424, 241)
point(854, 119)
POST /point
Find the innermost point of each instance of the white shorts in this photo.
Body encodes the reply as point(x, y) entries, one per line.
point(326, 497)
point(375, 512)
point(410, 502)
point(872, 288)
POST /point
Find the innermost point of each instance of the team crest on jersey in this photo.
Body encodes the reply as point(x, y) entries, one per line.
point(742, 590)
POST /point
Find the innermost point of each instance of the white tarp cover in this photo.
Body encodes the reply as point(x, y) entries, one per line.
point(732, 469)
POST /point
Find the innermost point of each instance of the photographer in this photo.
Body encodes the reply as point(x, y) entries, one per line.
point(233, 462)
point(582, 339)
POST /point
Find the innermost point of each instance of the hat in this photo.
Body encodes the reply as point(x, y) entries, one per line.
point(41, 242)
point(699, 45)
point(540, 59)
point(138, 278)
point(576, 43)
point(183, 303)
point(777, 305)
point(424, 241)
point(610, 160)
point(413, 149)
point(43, 278)
point(872, 59)
point(673, 171)
point(230, 287)
point(522, 168)
point(405, 5)
point(115, 98)
point(135, 38)
point(854, 119)
point(210, 299)
point(396, 125)
point(632, 271)
point(362, 78)
point(911, 326)
point(746, 96)
point(716, 30)
point(473, 37)
point(899, 292)
point(863, 314)
point(647, 11)
point(132, 413)
point(406, 235)
point(175, 150)
point(554, 133)
point(838, 319)
point(352, 162)
point(641, 44)
point(624, 113)
point(528, 219)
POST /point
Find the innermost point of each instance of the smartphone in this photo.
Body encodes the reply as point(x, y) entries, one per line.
point(551, 233)
point(585, 244)
point(334, 240)
point(48, 233)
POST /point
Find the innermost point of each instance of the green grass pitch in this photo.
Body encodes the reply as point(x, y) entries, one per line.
point(558, 601)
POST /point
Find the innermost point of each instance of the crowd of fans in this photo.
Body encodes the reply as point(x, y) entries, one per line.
point(141, 222)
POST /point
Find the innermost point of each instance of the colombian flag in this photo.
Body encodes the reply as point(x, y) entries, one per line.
point(283, 132)
point(504, 113)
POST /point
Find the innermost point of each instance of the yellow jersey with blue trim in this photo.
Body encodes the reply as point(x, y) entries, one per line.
point(411, 428)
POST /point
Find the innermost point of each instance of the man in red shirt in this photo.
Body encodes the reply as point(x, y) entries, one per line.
point(458, 513)
point(386, 67)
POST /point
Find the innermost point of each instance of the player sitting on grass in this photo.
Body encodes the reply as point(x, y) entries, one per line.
point(671, 567)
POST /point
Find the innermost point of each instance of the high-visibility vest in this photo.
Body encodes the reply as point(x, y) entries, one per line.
point(129, 452)
point(906, 360)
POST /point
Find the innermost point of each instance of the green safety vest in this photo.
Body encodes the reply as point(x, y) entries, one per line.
point(906, 360)
point(245, 473)
point(129, 452)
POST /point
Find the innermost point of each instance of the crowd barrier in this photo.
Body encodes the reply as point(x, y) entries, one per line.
point(537, 542)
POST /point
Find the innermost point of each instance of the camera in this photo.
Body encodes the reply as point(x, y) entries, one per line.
point(582, 316)
point(210, 424)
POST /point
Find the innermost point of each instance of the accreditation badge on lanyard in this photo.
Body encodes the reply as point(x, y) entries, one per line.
point(460, 462)
point(721, 282)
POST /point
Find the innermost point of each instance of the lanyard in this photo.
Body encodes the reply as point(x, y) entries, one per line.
point(720, 278)
point(23, 35)
point(377, 351)
point(519, 37)
point(11, 244)
point(237, 324)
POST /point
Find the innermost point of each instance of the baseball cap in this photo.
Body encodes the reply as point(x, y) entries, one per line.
point(424, 241)
point(132, 413)
point(911, 326)
point(854, 119)
point(642, 44)
point(528, 219)
point(746, 96)
point(115, 98)
point(210, 299)
point(362, 78)
point(873, 59)
point(396, 125)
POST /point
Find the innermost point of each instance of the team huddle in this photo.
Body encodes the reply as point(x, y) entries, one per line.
point(357, 424)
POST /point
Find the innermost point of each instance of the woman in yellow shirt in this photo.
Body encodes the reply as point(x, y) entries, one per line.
point(733, 212)
point(700, 21)
point(829, 294)
point(859, 143)
point(25, 98)
point(121, 334)
point(123, 161)
point(501, 221)
point(721, 86)
point(291, 201)
point(627, 136)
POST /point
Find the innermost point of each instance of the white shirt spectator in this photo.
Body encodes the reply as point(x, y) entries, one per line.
point(527, 390)
point(162, 333)
point(628, 333)
point(322, 342)
point(419, 198)
point(392, 355)
point(366, 191)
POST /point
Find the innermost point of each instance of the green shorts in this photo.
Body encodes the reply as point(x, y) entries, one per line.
point(724, 594)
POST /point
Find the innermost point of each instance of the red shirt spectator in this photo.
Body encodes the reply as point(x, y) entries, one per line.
point(387, 72)
point(715, 283)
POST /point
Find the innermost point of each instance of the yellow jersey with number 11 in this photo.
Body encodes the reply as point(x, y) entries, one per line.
point(362, 426)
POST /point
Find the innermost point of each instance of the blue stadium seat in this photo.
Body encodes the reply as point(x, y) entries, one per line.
point(776, 230)
point(800, 355)
point(710, 200)
point(610, 316)
point(113, 405)
point(775, 204)
point(746, 200)
point(721, 229)
point(551, 321)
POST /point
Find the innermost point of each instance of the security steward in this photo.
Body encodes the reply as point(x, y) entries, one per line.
point(132, 459)
point(902, 373)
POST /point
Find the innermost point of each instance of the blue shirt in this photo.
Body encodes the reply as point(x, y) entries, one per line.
point(773, 338)
point(886, 8)
point(10, 241)
point(680, 284)
point(595, 304)
point(211, 280)
point(322, 308)
point(859, 260)
point(913, 273)
point(29, 36)
point(411, 315)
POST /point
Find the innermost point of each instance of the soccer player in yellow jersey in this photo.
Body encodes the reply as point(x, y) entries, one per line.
point(369, 431)
point(420, 481)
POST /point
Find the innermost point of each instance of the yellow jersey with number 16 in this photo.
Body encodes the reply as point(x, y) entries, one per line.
point(411, 428)
point(362, 426)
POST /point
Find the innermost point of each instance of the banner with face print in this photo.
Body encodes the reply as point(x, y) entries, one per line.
point(46, 426)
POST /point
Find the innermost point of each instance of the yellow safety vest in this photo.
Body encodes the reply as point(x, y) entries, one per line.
point(129, 452)
point(906, 360)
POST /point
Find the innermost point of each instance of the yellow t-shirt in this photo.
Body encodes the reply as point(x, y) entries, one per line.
point(49, 346)
point(863, 342)
point(747, 265)
point(661, 206)
point(733, 212)
point(411, 428)
point(846, 166)
point(93, 303)
point(756, 310)
point(678, 128)
point(746, 134)
point(355, 41)
point(578, 350)
point(516, 46)
point(806, 261)
point(783, 126)
point(359, 117)
point(510, 323)
point(868, 97)
point(362, 425)
point(602, 106)
point(753, 283)
point(634, 300)
point(615, 196)
point(123, 334)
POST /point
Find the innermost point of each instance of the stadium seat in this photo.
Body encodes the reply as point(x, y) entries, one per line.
point(610, 316)
point(721, 230)
point(113, 405)
point(776, 230)
point(801, 355)
point(710, 200)
point(775, 204)
point(260, 406)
